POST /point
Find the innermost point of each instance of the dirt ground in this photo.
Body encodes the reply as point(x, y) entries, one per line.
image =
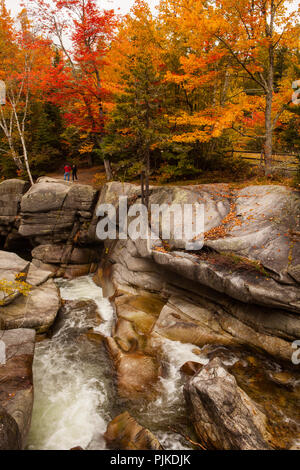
point(96, 176)
point(85, 175)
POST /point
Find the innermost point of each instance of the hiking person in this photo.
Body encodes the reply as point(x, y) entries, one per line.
point(74, 173)
point(67, 170)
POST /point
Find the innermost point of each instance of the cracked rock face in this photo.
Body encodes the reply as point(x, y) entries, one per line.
point(16, 387)
point(51, 207)
point(10, 438)
point(39, 309)
point(56, 217)
point(269, 215)
point(223, 293)
point(11, 192)
point(261, 242)
point(223, 415)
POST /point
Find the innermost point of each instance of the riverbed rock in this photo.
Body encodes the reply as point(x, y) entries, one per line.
point(190, 368)
point(55, 216)
point(239, 297)
point(10, 438)
point(51, 207)
point(16, 384)
point(38, 310)
point(224, 416)
point(125, 433)
point(130, 384)
point(214, 320)
point(246, 286)
point(67, 261)
point(130, 346)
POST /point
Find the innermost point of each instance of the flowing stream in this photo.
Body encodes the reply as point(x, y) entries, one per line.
point(73, 382)
point(75, 395)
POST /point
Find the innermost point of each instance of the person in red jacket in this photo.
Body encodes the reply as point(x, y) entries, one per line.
point(68, 170)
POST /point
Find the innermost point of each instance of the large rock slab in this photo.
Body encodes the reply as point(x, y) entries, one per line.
point(251, 247)
point(215, 207)
point(11, 265)
point(268, 216)
point(65, 254)
point(51, 207)
point(16, 385)
point(249, 286)
point(224, 416)
point(37, 311)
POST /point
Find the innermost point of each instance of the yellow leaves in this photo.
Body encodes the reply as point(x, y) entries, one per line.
point(221, 230)
point(20, 276)
point(10, 288)
point(207, 124)
point(190, 137)
point(86, 148)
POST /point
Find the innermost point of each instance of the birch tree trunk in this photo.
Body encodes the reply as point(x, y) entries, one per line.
point(7, 128)
point(21, 126)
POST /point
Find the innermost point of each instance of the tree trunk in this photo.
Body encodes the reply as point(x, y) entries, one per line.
point(90, 160)
point(147, 174)
point(16, 158)
point(143, 187)
point(22, 137)
point(26, 161)
point(269, 133)
point(106, 162)
point(107, 169)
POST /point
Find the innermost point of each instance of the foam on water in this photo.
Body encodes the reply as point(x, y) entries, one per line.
point(175, 354)
point(84, 288)
point(169, 406)
point(71, 403)
point(74, 393)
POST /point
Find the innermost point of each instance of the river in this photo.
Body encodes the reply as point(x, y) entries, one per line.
point(74, 389)
point(75, 393)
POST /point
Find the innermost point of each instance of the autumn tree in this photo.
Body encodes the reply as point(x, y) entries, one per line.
point(25, 59)
point(82, 32)
point(137, 126)
point(239, 39)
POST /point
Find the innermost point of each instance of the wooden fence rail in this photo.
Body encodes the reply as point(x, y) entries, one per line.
point(291, 163)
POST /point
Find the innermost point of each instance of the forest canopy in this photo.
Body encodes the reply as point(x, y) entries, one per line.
point(169, 93)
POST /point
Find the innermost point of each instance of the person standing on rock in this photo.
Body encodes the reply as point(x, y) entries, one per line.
point(74, 173)
point(67, 169)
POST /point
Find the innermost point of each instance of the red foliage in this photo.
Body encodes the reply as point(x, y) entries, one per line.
point(75, 82)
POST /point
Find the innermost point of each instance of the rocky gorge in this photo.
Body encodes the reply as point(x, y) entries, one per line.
point(235, 303)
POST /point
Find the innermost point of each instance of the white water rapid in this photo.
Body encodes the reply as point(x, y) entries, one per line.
point(74, 392)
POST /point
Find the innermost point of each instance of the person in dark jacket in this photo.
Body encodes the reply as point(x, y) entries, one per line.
point(74, 172)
